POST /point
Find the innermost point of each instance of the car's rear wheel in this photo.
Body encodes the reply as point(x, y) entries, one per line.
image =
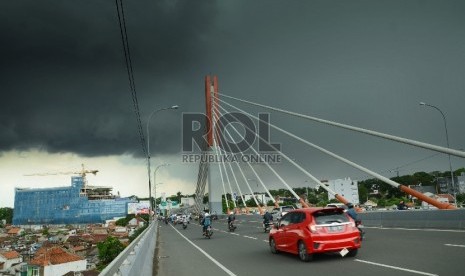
point(303, 253)
point(352, 253)
point(273, 246)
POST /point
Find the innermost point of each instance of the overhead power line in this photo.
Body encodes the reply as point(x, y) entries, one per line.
point(130, 71)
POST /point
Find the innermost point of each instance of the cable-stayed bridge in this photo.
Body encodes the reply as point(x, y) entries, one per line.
point(398, 242)
point(221, 141)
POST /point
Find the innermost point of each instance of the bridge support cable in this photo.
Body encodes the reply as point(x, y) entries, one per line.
point(454, 152)
point(229, 183)
point(201, 179)
point(201, 187)
point(252, 169)
point(271, 168)
point(240, 169)
point(238, 188)
point(237, 183)
point(376, 175)
point(201, 183)
point(221, 175)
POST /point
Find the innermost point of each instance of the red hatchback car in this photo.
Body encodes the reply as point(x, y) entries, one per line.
point(309, 231)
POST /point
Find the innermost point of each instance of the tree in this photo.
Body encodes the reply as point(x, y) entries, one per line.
point(205, 199)
point(124, 221)
point(109, 249)
point(460, 198)
point(6, 214)
point(230, 202)
point(45, 232)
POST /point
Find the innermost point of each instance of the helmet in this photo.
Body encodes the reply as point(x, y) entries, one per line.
point(231, 213)
point(350, 205)
point(207, 214)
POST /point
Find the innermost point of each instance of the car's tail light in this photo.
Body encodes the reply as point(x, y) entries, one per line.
point(315, 228)
point(353, 226)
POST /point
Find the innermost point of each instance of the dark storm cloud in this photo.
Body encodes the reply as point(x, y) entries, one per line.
point(64, 82)
point(363, 63)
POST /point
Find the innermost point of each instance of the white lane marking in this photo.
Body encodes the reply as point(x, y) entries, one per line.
point(266, 240)
point(249, 237)
point(455, 245)
point(235, 234)
point(414, 229)
point(397, 268)
point(229, 272)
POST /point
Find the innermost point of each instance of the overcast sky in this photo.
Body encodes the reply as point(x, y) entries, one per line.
point(66, 99)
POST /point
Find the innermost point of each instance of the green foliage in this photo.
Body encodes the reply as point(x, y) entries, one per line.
point(250, 203)
point(109, 249)
point(137, 232)
point(6, 214)
point(461, 198)
point(45, 232)
point(225, 208)
point(145, 217)
point(124, 221)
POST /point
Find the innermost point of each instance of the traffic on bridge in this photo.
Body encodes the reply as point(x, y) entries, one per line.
point(246, 251)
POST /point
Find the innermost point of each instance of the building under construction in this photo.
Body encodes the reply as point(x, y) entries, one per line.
point(78, 204)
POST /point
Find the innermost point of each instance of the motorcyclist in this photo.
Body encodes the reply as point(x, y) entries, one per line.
point(184, 219)
point(351, 211)
point(353, 214)
point(231, 218)
point(267, 217)
point(206, 221)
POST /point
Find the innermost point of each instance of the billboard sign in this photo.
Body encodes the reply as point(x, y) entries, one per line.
point(141, 207)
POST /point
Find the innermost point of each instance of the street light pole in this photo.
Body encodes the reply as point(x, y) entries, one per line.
point(148, 153)
point(447, 140)
point(155, 196)
point(155, 183)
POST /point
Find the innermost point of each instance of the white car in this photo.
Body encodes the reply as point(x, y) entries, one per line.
point(280, 211)
point(337, 205)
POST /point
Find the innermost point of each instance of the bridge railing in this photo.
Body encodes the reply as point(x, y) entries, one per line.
point(434, 219)
point(137, 257)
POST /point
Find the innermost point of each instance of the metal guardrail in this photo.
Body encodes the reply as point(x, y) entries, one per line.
point(437, 219)
point(137, 257)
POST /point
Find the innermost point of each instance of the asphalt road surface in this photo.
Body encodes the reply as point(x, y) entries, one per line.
point(384, 252)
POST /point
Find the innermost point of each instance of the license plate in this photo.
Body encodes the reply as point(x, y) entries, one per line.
point(335, 228)
point(344, 252)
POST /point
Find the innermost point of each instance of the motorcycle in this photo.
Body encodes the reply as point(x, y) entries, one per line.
point(184, 225)
point(267, 226)
point(209, 232)
point(231, 227)
point(358, 224)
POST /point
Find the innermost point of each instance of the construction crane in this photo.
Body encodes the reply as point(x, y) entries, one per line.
point(92, 192)
point(82, 172)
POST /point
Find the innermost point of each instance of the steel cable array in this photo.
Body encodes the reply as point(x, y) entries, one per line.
point(130, 71)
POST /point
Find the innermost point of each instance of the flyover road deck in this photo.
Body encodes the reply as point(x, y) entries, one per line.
point(385, 251)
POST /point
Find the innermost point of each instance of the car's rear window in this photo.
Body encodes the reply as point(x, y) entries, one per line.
point(330, 217)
